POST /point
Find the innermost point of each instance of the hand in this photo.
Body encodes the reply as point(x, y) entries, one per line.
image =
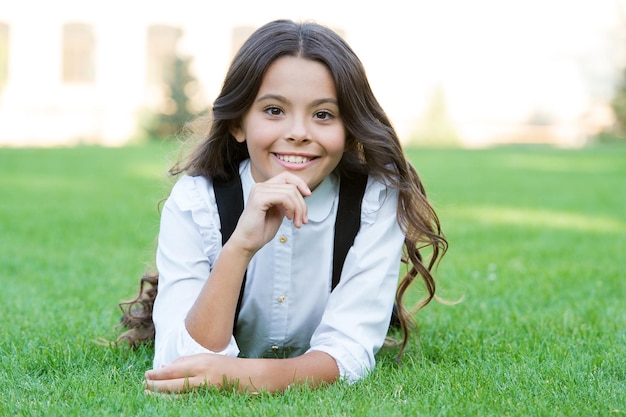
point(189, 372)
point(268, 202)
point(246, 375)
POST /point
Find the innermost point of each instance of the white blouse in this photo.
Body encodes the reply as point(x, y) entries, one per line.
point(287, 308)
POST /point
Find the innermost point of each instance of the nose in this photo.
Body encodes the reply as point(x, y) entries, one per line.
point(298, 131)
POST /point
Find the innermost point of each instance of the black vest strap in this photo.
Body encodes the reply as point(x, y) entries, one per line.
point(229, 199)
point(348, 221)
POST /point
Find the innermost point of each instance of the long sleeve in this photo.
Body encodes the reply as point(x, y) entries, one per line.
point(188, 244)
point(357, 315)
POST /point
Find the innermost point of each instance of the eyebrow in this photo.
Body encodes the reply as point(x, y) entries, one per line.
point(284, 100)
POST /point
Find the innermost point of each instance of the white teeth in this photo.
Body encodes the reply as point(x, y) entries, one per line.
point(293, 159)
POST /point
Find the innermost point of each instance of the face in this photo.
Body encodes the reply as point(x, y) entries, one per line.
point(294, 123)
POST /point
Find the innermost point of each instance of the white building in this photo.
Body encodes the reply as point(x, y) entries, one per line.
point(75, 71)
point(83, 74)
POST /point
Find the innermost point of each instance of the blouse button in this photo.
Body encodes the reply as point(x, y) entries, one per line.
point(283, 239)
point(281, 298)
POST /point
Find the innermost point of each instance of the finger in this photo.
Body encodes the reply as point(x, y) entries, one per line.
point(294, 208)
point(176, 385)
point(180, 368)
point(289, 178)
point(171, 371)
point(283, 196)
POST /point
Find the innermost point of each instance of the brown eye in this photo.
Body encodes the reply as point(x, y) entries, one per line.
point(274, 111)
point(323, 115)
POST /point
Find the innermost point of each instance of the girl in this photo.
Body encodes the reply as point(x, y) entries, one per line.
point(295, 118)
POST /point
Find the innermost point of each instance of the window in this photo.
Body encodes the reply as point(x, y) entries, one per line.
point(161, 50)
point(78, 53)
point(4, 53)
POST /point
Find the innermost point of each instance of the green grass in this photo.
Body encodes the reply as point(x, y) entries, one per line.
point(537, 250)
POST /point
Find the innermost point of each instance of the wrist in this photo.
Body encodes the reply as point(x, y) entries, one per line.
point(236, 250)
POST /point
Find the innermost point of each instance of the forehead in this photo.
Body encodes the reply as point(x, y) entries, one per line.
point(290, 74)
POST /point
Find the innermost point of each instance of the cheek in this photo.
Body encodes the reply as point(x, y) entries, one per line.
point(262, 134)
point(338, 144)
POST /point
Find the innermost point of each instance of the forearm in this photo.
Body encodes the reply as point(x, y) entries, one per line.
point(210, 319)
point(312, 369)
point(247, 375)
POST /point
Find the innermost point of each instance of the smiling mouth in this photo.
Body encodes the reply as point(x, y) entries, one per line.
point(294, 159)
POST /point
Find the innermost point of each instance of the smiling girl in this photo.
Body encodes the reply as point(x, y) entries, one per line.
point(295, 123)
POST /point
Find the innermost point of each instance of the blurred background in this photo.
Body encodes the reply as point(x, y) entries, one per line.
point(448, 72)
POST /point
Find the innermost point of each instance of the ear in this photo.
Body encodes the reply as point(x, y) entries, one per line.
point(237, 132)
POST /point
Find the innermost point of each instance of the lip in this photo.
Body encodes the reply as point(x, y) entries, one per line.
point(295, 166)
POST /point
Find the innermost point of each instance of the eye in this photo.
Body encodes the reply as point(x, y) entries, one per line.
point(323, 115)
point(273, 111)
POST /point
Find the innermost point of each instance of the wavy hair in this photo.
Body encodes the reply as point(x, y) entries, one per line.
point(372, 146)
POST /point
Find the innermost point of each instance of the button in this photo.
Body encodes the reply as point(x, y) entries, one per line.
point(274, 348)
point(283, 239)
point(281, 298)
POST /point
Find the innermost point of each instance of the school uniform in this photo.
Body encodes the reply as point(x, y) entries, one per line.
point(288, 307)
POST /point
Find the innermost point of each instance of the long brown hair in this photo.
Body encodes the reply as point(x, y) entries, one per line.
point(372, 146)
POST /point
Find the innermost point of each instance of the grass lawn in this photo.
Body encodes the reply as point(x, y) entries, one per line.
point(537, 250)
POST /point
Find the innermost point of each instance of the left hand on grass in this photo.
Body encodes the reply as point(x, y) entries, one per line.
point(189, 372)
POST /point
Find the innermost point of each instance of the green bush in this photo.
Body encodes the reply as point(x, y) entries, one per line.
point(177, 109)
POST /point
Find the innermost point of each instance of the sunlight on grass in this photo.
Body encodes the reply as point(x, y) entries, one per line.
point(541, 218)
point(564, 164)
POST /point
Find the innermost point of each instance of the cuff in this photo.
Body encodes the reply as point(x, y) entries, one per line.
point(350, 369)
point(182, 344)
